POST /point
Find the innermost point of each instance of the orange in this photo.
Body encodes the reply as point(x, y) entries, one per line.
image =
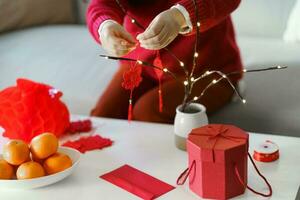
point(30, 170)
point(16, 152)
point(57, 163)
point(6, 170)
point(44, 145)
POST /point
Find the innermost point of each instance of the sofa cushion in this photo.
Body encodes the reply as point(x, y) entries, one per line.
point(292, 32)
point(22, 13)
point(260, 51)
point(264, 18)
point(273, 98)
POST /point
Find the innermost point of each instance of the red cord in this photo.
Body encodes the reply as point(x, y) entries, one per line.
point(258, 172)
point(160, 98)
point(185, 174)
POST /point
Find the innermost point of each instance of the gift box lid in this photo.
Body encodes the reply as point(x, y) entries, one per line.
point(216, 138)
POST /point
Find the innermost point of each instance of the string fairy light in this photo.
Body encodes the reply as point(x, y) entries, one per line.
point(190, 80)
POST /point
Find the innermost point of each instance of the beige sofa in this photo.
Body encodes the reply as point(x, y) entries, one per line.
point(66, 57)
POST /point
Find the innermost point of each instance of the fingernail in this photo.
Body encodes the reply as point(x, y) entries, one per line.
point(138, 37)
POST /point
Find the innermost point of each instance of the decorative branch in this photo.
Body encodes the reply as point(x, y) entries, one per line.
point(195, 56)
point(225, 76)
point(257, 70)
point(147, 64)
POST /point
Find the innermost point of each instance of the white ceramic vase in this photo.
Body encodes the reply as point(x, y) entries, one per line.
point(186, 121)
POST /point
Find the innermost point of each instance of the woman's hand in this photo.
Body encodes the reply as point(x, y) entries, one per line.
point(115, 39)
point(162, 30)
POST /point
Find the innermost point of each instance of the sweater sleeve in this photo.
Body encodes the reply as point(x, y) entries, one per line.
point(211, 12)
point(99, 11)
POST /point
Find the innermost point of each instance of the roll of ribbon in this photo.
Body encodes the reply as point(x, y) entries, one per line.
point(266, 151)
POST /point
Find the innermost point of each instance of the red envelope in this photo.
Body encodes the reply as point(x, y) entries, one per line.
point(137, 182)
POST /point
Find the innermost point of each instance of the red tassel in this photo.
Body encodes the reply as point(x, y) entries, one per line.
point(130, 107)
point(159, 73)
point(161, 104)
point(130, 112)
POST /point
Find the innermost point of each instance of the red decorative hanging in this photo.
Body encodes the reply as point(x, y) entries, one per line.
point(30, 108)
point(159, 73)
point(132, 79)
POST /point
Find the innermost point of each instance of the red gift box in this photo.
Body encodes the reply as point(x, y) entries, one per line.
point(218, 162)
point(215, 150)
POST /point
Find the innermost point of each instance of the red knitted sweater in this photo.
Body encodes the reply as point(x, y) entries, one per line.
point(217, 46)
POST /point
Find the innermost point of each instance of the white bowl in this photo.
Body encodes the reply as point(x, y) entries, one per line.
point(46, 180)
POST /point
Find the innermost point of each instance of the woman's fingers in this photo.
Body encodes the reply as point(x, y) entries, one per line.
point(153, 30)
point(118, 53)
point(119, 47)
point(127, 37)
point(156, 42)
point(116, 40)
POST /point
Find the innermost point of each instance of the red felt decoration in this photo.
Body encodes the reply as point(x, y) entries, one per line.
point(159, 73)
point(132, 79)
point(90, 143)
point(80, 126)
point(31, 108)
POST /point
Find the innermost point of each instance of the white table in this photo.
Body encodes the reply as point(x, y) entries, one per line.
point(149, 147)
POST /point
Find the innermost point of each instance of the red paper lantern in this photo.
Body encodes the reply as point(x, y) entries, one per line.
point(31, 108)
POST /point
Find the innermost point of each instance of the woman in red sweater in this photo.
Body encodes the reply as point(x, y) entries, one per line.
point(172, 24)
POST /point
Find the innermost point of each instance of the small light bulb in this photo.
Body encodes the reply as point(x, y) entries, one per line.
point(132, 21)
point(165, 69)
point(139, 62)
point(195, 98)
point(214, 81)
point(207, 72)
point(185, 83)
point(224, 76)
point(192, 79)
point(198, 24)
point(181, 64)
point(196, 55)
point(106, 57)
point(279, 67)
point(244, 70)
point(244, 101)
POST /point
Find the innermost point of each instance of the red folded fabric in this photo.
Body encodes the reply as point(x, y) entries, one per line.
point(89, 143)
point(137, 182)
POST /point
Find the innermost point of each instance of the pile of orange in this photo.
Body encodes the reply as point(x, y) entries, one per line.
point(40, 158)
